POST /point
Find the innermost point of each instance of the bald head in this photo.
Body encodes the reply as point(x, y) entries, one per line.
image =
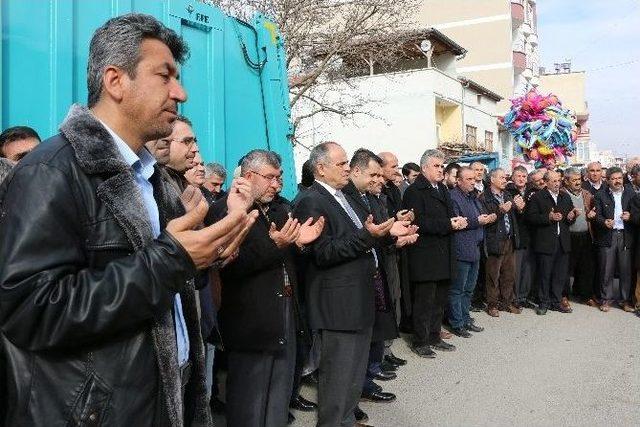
point(389, 165)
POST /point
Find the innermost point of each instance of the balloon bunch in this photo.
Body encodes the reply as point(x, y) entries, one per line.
point(543, 130)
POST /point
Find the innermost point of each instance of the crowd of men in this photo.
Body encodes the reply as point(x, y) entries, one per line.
point(126, 270)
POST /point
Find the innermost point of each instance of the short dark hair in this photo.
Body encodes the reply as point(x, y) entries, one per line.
point(408, 167)
point(307, 174)
point(183, 119)
point(635, 170)
point(612, 170)
point(16, 133)
point(117, 42)
point(451, 166)
point(362, 157)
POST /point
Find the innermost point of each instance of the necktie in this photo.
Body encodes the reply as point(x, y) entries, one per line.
point(347, 207)
point(366, 201)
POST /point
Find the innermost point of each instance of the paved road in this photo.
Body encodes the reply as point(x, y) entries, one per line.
point(579, 369)
point(574, 369)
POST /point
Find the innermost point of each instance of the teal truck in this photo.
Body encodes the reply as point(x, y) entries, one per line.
point(235, 78)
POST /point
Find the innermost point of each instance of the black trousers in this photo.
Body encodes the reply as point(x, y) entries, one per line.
point(580, 266)
point(616, 255)
point(525, 273)
point(429, 299)
point(552, 275)
point(259, 383)
point(343, 364)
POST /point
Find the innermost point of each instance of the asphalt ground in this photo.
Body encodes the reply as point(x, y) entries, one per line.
point(578, 369)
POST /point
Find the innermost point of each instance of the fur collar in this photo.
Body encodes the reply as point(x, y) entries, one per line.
point(97, 154)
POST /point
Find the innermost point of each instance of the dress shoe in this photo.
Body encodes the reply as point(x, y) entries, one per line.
point(527, 304)
point(217, 406)
point(565, 302)
point(560, 308)
point(493, 312)
point(513, 309)
point(385, 376)
point(445, 335)
point(592, 302)
point(541, 311)
point(443, 346)
point(290, 418)
point(604, 307)
point(311, 379)
point(393, 359)
point(389, 367)
point(378, 397)
point(627, 307)
point(424, 351)
point(360, 415)
point(302, 404)
point(461, 332)
point(473, 327)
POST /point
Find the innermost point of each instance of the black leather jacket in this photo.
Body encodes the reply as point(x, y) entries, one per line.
point(77, 301)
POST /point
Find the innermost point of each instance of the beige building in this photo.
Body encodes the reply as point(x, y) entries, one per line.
point(570, 88)
point(502, 43)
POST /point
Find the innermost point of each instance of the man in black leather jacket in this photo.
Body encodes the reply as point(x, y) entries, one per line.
point(94, 280)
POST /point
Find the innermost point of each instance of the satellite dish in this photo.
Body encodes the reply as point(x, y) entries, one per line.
point(426, 46)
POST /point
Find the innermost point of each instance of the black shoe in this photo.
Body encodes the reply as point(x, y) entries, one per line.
point(559, 308)
point(389, 367)
point(461, 332)
point(443, 346)
point(360, 415)
point(385, 376)
point(311, 379)
point(476, 309)
point(424, 351)
point(378, 396)
point(217, 406)
point(394, 360)
point(541, 311)
point(302, 404)
point(473, 327)
point(528, 304)
point(290, 418)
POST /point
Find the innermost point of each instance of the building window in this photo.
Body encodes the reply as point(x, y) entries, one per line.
point(488, 140)
point(479, 99)
point(471, 136)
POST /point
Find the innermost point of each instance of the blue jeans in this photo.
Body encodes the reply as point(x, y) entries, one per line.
point(461, 292)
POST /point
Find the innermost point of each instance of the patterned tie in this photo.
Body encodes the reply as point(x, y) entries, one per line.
point(347, 207)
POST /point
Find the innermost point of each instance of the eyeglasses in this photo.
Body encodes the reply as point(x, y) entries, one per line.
point(188, 141)
point(271, 178)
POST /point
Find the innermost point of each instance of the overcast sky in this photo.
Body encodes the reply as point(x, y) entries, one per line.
point(603, 39)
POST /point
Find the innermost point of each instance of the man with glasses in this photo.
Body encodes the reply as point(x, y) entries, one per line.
point(257, 313)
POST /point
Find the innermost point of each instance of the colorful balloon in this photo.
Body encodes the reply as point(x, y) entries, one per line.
point(544, 131)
